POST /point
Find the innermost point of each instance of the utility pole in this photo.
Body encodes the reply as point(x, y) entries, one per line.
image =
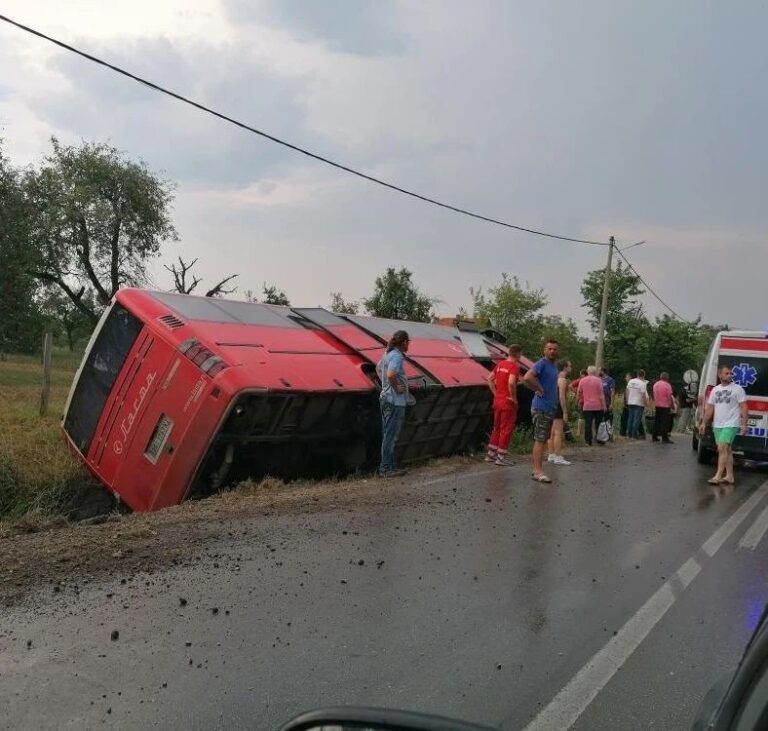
point(599, 351)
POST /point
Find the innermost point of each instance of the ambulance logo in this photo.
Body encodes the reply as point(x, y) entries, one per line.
point(744, 374)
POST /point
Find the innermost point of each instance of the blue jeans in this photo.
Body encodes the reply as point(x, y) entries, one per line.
point(634, 421)
point(392, 418)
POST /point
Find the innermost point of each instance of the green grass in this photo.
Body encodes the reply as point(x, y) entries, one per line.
point(38, 474)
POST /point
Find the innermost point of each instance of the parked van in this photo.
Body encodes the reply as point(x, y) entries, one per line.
point(746, 354)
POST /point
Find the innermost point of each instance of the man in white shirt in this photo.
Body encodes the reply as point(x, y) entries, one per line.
point(636, 397)
point(728, 411)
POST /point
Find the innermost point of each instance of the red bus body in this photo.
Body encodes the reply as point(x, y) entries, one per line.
point(179, 394)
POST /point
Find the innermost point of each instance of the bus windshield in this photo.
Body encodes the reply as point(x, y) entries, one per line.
point(99, 371)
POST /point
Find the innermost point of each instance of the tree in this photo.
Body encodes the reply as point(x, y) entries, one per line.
point(628, 348)
point(632, 341)
point(21, 323)
point(274, 296)
point(574, 347)
point(64, 318)
point(623, 290)
point(99, 218)
point(627, 330)
point(676, 346)
point(341, 307)
point(396, 297)
point(513, 310)
point(182, 285)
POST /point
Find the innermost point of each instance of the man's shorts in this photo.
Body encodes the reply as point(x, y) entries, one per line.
point(542, 425)
point(725, 434)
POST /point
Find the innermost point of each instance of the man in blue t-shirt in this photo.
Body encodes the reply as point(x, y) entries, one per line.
point(542, 379)
point(609, 390)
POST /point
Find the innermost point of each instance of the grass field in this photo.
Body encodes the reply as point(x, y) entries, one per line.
point(38, 475)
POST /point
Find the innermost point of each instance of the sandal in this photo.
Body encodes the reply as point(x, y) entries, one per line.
point(727, 482)
point(541, 478)
point(715, 481)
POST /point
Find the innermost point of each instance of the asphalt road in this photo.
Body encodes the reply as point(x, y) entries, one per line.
point(613, 598)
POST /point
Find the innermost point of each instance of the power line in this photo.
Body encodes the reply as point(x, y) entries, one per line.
point(289, 145)
point(648, 286)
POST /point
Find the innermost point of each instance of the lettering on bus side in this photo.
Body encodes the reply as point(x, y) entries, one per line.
point(195, 394)
point(126, 425)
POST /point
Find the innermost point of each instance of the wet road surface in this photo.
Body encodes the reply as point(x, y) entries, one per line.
point(613, 598)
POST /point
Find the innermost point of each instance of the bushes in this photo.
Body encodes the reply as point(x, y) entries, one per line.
point(38, 475)
point(73, 496)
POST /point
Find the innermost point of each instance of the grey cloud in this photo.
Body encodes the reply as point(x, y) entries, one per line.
point(573, 118)
point(186, 143)
point(362, 27)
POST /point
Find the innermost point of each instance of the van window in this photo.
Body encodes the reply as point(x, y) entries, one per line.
point(750, 372)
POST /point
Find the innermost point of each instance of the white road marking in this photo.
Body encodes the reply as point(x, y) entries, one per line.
point(566, 707)
point(756, 531)
point(688, 572)
point(722, 534)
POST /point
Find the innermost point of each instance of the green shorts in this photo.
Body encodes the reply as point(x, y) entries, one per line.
point(725, 434)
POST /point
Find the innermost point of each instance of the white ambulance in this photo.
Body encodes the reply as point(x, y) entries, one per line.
point(746, 354)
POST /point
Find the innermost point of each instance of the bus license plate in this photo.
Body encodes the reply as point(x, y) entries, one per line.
point(159, 438)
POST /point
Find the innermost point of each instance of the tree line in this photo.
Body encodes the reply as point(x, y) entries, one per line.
point(88, 220)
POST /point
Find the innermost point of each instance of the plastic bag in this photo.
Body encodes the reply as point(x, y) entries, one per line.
point(603, 434)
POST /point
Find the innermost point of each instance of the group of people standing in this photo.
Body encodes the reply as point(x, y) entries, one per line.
point(549, 379)
point(594, 392)
point(638, 396)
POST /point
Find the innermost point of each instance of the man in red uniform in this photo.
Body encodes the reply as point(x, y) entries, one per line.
point(503, 384)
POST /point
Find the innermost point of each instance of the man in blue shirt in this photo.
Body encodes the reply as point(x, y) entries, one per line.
point(392, 400)
point(542, 379)
point(609, 390)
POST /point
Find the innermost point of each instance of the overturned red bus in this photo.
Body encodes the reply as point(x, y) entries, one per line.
point(180, 395)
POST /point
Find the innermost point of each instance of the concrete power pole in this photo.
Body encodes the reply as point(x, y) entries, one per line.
point(600, 350)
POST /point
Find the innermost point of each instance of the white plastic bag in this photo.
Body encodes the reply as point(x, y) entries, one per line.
point(603, 435)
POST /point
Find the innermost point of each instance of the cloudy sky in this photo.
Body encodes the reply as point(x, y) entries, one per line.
point(642, 120)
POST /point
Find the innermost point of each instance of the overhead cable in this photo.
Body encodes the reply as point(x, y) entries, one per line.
point(291, 146)
point(648, 286)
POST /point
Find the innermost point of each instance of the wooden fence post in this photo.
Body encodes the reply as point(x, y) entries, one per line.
point(47, 347)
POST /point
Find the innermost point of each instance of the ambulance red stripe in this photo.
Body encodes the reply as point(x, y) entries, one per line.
point(752, 344)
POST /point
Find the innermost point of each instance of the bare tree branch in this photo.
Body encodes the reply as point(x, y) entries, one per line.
point(219, 288)
point(76, 297)
point(185, 282)
point(180, 283)
point(114, 245)
point(85, 259)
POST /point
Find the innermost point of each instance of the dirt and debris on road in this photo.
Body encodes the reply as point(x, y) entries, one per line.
point(52, 553)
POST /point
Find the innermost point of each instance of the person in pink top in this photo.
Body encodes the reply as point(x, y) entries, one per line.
point(593, 396)
point(663, 398)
